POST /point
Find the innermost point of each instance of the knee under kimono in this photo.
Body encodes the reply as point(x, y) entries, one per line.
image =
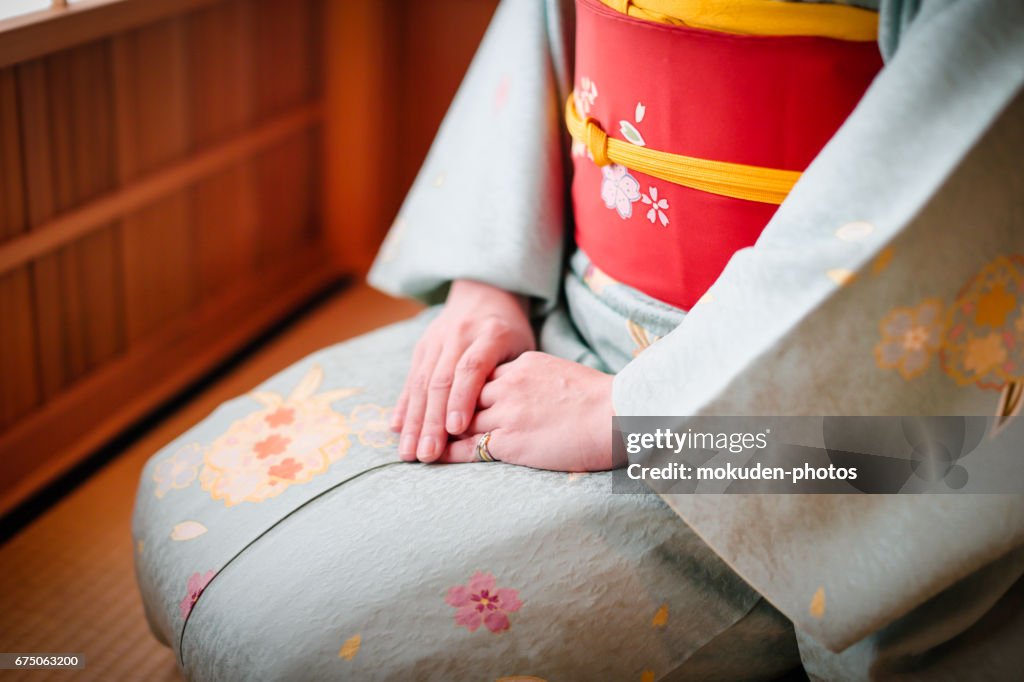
point(282, 538)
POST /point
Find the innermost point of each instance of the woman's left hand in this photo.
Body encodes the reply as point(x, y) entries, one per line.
point(543, 412)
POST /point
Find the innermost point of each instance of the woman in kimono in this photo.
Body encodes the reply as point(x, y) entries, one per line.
point(765, 220)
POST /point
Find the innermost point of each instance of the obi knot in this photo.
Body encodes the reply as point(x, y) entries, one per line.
point(597, 143)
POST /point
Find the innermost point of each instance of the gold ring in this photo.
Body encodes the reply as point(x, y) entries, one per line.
point(482, 453)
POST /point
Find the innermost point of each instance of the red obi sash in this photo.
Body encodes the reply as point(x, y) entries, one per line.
point(768, 101)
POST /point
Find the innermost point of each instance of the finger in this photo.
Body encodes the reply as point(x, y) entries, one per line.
point(398, 414)
point(433, 436)
point(476, 363)
point(484, 421)
point(501, 370)
point(489, 394)
point(460, 451)
point(503, 444)
point(416, 403)
point(463, 450)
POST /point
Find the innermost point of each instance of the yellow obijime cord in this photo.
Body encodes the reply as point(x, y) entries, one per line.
point(736, 180)
point(758, 17)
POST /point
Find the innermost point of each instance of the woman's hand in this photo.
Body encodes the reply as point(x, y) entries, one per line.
point(480, 327)
point(543, 412)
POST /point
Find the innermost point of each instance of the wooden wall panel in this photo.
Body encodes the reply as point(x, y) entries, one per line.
point(392, 69)
point(221, 105)
point(157, 242)
point(41, 203)
point(285, 63)
point(84, 282)
point(12, 186)
point(285, 203)
point(66, 125)
point(361, 81)
point(174, 185)
point(286, 50)
point(438, 39)
point(225, 223)
point(19, 387)
point(19, 381)
point(221, 71)
point(160, 200)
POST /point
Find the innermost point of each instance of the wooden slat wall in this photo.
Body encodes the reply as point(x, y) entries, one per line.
point(391, 70)
point(20, 388)
point(184, 272)
point(172, 187)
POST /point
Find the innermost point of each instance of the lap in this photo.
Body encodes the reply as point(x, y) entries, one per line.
point(281, 538)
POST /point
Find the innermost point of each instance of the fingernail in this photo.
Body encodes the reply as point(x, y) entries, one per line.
point(428, 446)
point(408, 445)
point(455, 422)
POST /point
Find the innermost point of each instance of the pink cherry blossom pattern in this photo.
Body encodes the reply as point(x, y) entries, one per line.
point(293, 439)
point(280, 417)
point(479, 602)
point(197, 582)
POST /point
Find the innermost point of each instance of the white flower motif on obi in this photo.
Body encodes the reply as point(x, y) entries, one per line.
point(658, 207)
point(631, 134)
point(585, 96)
point(579, 150)
point(619, 189)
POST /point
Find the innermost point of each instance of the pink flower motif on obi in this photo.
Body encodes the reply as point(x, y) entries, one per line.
point(479, 602)
point(658, 207)
point(197, 582)
point(619, 189)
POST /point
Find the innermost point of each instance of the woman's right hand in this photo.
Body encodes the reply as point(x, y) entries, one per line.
point(479, 328)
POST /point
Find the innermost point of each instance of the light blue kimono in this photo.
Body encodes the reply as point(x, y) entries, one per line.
point(282, 539)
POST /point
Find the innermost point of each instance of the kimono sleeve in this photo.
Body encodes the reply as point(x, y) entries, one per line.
point(488, 203)
point(890, 282)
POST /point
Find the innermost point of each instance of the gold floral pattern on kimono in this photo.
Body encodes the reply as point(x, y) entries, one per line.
point(372, 423)
point(596, 279)
point(641, 337)
point(291, 440)
point(985, 342)
point(910, 337)
point(979, 337)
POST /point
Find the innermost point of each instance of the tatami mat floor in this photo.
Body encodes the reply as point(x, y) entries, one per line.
point(67, 581)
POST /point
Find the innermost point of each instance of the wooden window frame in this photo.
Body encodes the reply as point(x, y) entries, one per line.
point(63, 25)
